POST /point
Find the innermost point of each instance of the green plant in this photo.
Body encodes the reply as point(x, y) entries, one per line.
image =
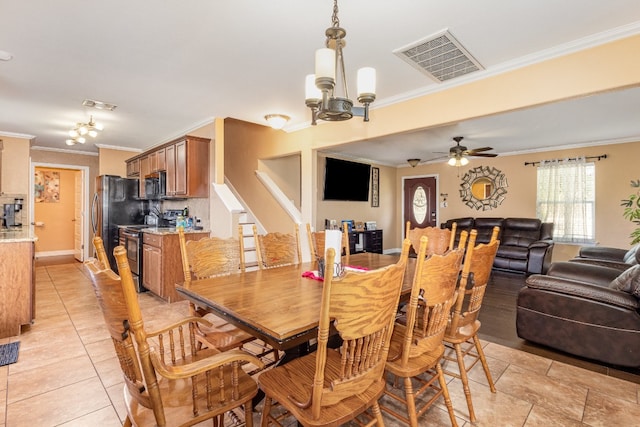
point(632, 211)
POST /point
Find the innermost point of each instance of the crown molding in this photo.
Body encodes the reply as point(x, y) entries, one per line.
point(118, 147)
point(17, 135)
point(64, 150)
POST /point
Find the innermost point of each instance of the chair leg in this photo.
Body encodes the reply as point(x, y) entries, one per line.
point(411, 402)
point(445, 395)
point(127, 422)
point(248, 414)
point(465, 381)
point(483, 360)
point(266, 410)
point(377, 413)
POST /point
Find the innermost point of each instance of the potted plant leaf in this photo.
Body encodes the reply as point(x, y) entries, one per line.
point(632, 210)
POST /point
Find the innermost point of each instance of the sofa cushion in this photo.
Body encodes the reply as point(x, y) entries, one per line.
point(484, 226)
point(628, 281)
point(512, 252)
point(520, 231)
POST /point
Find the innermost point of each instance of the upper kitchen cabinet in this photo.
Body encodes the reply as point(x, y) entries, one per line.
point(133, 167)
point(185, 161)
point(188, 167)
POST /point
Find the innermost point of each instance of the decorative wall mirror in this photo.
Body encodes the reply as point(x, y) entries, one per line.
point(483, 188)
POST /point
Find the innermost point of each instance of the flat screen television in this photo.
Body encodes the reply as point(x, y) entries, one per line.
point(345, 180)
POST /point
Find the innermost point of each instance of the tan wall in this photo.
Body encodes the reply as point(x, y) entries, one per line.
point(384, 215)
point(62, 158)
point(285, 172)
point(112, 162)
point(58, 230)
point(613, 176)
point(244, 144)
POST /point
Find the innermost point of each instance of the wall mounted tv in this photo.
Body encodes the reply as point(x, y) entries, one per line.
point(345, 180)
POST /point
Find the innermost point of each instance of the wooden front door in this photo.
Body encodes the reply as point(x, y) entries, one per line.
point(420, 200)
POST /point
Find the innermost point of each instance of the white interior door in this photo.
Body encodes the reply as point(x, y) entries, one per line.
point(78, 218)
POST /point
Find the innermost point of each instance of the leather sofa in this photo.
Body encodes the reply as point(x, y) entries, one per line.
point(609, 257)
point(573, 309)
point(526, 244)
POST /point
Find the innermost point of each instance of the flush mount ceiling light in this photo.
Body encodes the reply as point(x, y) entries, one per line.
point(413, 162)
point(322, 97)
point(78, 133)
point(5, 56)
point(277, 121)
point(92, 103)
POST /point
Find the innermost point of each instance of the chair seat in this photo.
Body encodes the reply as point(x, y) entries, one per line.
point(295, 379)
point(463, 333)
point(179, 412)
point(416, 364)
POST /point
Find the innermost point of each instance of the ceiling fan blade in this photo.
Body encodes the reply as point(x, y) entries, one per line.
point(483, 154)
point(475, 150)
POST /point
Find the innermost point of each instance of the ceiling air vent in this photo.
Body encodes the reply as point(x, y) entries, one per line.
point(439, 56)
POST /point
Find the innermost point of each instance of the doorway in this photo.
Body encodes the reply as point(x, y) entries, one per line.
point(420, 202)
point(76, 193)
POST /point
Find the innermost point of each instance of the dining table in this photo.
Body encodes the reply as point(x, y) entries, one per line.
point(281, 305)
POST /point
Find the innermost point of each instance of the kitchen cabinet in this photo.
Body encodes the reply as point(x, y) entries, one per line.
point(187, 162)
point(145, 169)
point(162, 262)
point(17, 286)
point(133, 168)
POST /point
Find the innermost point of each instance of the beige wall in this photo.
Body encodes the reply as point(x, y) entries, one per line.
point(57, 233)
point(112, 162)
point(285, 172)
point(613, 176)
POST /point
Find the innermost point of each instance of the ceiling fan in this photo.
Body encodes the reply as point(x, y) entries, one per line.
point(458, 154)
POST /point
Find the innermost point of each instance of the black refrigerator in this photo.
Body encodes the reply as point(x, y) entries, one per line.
point(115, 203)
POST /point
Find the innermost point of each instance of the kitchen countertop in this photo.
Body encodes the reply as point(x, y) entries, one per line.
point(13, 235)
point(169, 230)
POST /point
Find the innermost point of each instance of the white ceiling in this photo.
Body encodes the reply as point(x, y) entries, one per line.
point(171, 67)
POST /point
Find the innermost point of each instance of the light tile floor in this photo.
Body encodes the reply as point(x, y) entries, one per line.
point(67, 373)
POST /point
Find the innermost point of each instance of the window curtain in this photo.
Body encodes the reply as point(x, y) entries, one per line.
point(566, 197)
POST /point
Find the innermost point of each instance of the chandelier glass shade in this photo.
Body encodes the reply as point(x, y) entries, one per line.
point(81, 130)
point(326, 92)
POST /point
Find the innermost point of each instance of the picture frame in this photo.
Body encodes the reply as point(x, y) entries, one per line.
point(375, 187)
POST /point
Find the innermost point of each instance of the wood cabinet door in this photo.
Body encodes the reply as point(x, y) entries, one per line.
point(152, 269)
point(162, 159)
point(181, 168)
point(145, 169)
point(170, 154)
point(133, 168)
point(153, 162)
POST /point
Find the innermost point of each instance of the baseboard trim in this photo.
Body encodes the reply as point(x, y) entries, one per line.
point(54, 253)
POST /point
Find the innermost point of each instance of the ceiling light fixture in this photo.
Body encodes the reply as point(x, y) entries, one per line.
point(458, 161)
point(324, 102)
point(5, 56)
point(78, 133)
point(413, 162)
point(277, 121)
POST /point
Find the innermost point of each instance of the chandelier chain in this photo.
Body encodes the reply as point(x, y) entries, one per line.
point(334, 18)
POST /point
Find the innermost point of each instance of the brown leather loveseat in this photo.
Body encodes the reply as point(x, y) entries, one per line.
point(585, 310)
point(526, 244)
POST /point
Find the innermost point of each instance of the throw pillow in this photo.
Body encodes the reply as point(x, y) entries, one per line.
point(628, 281)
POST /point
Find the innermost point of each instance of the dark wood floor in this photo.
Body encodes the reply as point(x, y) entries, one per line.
point(498, 317)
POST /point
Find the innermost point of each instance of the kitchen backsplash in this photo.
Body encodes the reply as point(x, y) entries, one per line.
point(198, 208)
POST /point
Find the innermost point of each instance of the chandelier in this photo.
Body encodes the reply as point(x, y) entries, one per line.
point(321, 88)
point(78, 133)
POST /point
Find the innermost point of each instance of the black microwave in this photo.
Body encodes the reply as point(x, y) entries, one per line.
point(155, 185)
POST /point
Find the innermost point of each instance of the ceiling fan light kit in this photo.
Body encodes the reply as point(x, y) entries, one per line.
point(321, 94)
point(458, 154)
point(78, 133)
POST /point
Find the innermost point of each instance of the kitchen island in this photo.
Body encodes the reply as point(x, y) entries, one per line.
point(17, 280)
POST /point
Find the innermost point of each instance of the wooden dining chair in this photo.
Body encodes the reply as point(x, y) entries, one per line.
point(316, 244)
point(439, 239)
point(168, 381)
point(417, 347)
point(212, 257)
point(331, 387)
point(101, 253)
point(462, 331)
point(277, 249)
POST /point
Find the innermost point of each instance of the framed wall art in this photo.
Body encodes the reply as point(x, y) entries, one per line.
point(375, 187)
